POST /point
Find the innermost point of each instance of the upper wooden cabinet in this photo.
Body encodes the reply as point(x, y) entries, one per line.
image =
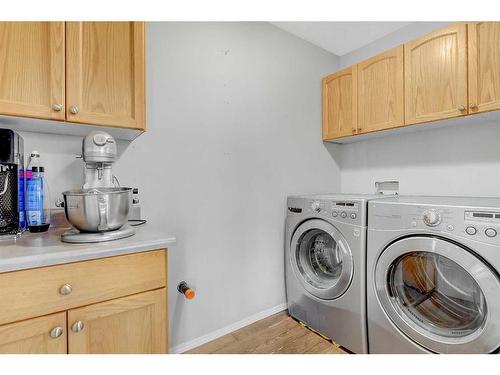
point(380, 91)
point(449, 73)
point(484, 66)
point(340, 104)
point(436, 75)
point(99, 64)
point(105, 73)
point(32, 69)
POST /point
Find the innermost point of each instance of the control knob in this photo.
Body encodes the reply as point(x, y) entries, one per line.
point(431, 218)
point(470, 230)
point(490, 232)
point(316, 206)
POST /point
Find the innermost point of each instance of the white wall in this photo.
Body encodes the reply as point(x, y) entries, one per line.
point(455, 160)
point(58, 154)
point(234, 126)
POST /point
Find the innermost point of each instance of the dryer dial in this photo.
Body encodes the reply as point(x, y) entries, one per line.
point(431, 218)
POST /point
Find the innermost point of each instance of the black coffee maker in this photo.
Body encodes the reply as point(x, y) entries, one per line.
point(11, 183)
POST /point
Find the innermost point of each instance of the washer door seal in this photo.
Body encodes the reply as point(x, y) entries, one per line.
point(321, 259)
point(440, 295)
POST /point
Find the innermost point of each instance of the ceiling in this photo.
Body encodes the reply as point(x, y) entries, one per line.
point(340, 37)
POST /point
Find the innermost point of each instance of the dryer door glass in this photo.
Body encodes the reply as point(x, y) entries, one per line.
point(319, 258)
point(322, 259)
point(437, 294)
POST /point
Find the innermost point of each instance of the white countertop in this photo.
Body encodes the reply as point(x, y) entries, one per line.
point(32, 250)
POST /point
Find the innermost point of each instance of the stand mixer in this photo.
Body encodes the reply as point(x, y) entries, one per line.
point(99, 211)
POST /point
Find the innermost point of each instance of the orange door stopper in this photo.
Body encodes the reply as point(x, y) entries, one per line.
point(184, 288)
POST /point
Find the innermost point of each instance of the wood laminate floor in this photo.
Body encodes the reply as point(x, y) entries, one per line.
point(277, 334)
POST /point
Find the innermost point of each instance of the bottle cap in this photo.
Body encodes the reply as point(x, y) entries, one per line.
point(42, 169)
point(35, 154)
point(34, 169)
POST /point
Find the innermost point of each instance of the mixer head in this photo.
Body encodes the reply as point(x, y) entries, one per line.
point(99, 147)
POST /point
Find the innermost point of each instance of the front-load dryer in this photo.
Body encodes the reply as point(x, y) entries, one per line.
point(325, 249)
point(432, 275)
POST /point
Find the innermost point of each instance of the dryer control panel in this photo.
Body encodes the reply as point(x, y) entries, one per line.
point(466, 222)
point(482, 223)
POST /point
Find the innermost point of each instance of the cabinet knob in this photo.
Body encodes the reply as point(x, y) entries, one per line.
point(57, 107)
point(56, 332)
point(77, 326)
point(461, 107)
point(73, 109)
point(473, 106)
point(65, 289)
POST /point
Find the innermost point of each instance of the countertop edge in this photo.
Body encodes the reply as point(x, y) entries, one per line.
point(72, 256)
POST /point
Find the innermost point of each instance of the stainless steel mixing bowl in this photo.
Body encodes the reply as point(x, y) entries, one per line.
point(98, 209)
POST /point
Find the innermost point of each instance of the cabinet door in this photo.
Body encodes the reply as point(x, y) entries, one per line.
point(484, 66)
point(46, 334)
point(105, 73)
point(340, 104)
point(134, 324)
point(436, 75)
point(381, 92)
point(32, 69)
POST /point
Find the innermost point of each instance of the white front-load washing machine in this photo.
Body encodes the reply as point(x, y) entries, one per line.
point(325, 249)
point(433, 281)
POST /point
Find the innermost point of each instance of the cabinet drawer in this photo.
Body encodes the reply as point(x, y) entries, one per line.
point(35, 292)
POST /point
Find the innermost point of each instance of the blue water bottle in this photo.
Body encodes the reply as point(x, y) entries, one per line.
point(37, 202)
point(20, 187)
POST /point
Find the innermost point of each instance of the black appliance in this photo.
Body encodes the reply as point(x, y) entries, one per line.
point(11, 182)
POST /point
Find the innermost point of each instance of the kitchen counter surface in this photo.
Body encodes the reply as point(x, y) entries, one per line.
point(32, 250)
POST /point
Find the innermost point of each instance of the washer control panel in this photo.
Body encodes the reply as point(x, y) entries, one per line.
point(346, 211)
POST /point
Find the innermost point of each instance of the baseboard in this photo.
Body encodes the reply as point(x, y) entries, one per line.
point(181, 348)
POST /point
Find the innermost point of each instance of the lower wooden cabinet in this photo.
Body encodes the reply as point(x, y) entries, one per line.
point(129, 325)
point(43, 335)
point(124, 312)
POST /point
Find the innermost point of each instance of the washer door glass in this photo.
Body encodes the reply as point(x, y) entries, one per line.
point(440, 295)
point(437, 294)
point(321, 259)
